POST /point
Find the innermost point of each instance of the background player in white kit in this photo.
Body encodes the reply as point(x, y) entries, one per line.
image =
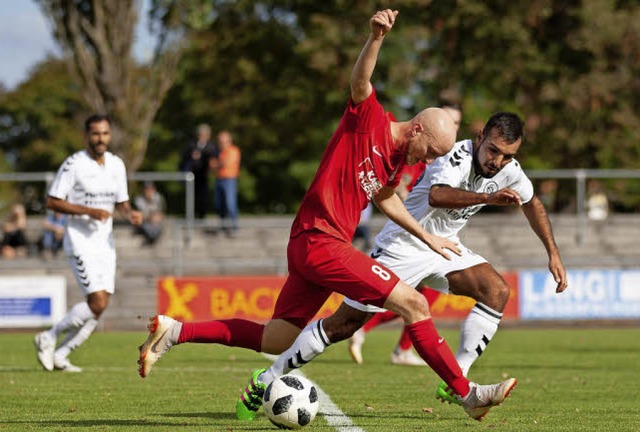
point(88, 186)
point(452, 189)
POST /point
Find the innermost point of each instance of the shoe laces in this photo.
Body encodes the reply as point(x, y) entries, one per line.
point(253, 394)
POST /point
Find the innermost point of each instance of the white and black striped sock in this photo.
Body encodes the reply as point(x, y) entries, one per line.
point(309, 344)
point(477, 331)
point(75, 318)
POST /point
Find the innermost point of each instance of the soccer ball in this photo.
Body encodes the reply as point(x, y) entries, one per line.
point(291, 402)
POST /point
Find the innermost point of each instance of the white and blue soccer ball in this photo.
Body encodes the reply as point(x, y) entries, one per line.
point(291, 402)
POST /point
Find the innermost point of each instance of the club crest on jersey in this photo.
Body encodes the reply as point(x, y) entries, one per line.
point(368, 179)
point(491, 187)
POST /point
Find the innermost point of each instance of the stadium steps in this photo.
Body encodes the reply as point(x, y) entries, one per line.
point(260, 248)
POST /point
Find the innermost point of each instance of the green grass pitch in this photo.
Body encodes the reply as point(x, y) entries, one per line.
point(570, 379)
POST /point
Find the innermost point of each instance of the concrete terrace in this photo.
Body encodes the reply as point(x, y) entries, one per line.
point(260, 248)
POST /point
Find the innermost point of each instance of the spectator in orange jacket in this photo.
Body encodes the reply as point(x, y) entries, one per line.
point(227, 168)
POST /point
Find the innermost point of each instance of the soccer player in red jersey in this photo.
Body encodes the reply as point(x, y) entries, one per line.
point(403, 352)
point(361, 163)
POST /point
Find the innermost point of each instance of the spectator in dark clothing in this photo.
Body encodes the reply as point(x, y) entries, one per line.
point(14, 240)
point(196, 160)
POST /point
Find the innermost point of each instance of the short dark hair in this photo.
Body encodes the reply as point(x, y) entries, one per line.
point(509, 126)
point(95, 118)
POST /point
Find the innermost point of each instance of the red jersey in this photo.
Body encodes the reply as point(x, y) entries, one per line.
point(360, 159)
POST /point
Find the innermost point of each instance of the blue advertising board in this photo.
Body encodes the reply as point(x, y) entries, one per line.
point(32, 301)
point(591, 294)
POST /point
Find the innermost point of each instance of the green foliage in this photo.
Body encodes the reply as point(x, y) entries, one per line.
point(276, 73)
point(42, 119)
point(40, 125)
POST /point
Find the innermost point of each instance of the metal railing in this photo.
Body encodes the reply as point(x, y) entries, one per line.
point(186, 177)
point(580, 175)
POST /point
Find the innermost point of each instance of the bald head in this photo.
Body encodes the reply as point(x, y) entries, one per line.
point(439, 128)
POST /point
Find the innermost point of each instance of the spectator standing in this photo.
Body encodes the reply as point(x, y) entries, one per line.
point(227, 169)
point(53, 233)
point(196, 159)
point(88, 186)
point(14, 240)
point(152, 205)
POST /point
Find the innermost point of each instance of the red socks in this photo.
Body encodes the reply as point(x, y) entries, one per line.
point(405, 340)
point(233, 332)
point(379, 318)
point(435, 351)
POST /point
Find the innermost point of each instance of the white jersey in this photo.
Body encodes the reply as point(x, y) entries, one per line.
point(81, 180)
point(454, 169)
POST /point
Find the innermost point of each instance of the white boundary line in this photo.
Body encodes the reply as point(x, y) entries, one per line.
point(333, 415)
point(329, 410)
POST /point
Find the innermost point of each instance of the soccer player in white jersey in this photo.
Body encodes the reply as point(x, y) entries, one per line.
point(453, 188)
point(87, 187)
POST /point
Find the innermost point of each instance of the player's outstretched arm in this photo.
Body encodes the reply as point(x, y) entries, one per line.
point(539, 221)
point(392, 206)
point(444, 196)
point(381, 23)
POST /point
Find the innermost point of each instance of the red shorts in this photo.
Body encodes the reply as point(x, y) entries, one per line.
point(320, 264)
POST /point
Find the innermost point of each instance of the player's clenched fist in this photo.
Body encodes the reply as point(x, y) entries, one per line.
point(382, 21)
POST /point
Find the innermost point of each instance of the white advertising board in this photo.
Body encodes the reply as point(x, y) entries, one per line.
point(592, 294)
point(32, 301)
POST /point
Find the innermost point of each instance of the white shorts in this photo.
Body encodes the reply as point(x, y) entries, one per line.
point(414, 265)
point(94, 271)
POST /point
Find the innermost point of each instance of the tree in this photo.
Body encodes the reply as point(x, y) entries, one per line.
point(97, 39)
point(40, 120)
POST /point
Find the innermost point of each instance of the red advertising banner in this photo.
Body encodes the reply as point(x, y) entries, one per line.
point(223, 297)
point(253, 297)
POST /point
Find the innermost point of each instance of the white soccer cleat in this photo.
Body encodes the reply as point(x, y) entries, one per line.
point(46, 347)
point(164, 332)
point(482, 398)
point(64, 365)
point(355, 346)
point(406, 358)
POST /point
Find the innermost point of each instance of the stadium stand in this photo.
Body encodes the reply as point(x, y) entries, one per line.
point(260, 248)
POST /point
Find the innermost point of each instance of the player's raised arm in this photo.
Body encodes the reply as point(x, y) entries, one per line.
point(539, 221)
point(380, 24)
